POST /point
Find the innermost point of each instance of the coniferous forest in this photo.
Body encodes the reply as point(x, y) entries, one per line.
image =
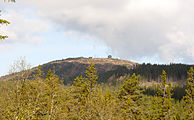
point(151, 72)
point(45, 97)
point(128, 28)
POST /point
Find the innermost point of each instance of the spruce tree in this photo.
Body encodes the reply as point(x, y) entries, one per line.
point(52, 90)
point(86, 85)
point(164, 99)
point(83, 92)
point(188, 98)
point(130, 94)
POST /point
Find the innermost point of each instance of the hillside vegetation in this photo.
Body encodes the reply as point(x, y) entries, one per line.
point(112, 70)
point(68, 69)
point(46, 98)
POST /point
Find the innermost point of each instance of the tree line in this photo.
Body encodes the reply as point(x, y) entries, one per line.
point(46, 97)
point(149, 72)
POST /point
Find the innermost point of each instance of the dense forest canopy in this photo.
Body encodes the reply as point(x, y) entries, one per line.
point(175, 72)
point(45, 97)
point(150, 72)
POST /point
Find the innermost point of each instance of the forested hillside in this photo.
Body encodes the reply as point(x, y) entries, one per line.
point(176, 72)
point(68, 69)
point(149, 72)
point(111, 70)
point(46, 98)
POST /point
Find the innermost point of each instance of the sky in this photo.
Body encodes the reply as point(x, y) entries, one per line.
point(150, 31)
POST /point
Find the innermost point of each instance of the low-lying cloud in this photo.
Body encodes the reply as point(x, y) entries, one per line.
point(131, 28)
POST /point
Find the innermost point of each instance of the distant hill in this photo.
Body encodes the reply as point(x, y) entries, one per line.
point(112, 70)
point(68, 69)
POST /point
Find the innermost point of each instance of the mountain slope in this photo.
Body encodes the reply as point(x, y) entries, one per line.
point(111, 70)
point(68, 69)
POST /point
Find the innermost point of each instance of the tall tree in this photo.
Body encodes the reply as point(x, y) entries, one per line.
point(129, 94)
point(84, 90)
point(188, 98)
point(86, 85)
point(164, 99)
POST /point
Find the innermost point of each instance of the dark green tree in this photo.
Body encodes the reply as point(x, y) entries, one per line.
point(130, 94)
point(164, 100)
point(188, 98)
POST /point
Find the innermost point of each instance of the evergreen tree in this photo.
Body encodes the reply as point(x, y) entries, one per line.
point(188, 98)
point(84, 90)
point(129, 94)
point(52, 90)
point(164, 101)
point(86, 85)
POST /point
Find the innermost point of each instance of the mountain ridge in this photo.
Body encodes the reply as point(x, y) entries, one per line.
point(68, 69)
point(111, 70)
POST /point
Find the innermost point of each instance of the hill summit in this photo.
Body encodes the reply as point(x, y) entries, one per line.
point(68, 69)
point(101, 61)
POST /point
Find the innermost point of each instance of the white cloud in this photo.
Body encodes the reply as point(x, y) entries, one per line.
point(23, 28)
point(131, 28)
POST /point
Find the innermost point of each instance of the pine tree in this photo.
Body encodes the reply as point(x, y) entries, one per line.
point(188, 98)
point(52, 90)
point(84, 91)
point(164, 101)
point(86, 85)
point(129, 94)
point(91, 76)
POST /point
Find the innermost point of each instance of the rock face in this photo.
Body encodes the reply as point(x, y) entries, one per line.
point(68, 69)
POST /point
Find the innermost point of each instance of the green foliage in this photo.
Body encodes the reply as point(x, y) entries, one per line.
point(188, 98)
point(86, 85)
point(37, 99)
point(2, 37)
point(152, 72)
point(68, 71)
point(178, 91)
point(84, 91)
point(163, 102)
point(3, 22)
point(130, 88)
point(129, 94)
point(44, 98)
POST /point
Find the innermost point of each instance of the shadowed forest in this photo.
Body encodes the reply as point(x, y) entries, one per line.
point(46, 97)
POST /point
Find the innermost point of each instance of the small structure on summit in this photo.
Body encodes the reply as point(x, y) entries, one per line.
point(109, 56)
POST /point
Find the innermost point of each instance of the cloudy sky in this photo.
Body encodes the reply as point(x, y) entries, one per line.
point(156, 31)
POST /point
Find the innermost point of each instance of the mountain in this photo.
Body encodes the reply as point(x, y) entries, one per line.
point(111, 70)
point(68, 69)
